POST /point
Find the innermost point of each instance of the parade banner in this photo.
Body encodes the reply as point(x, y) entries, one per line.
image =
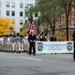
point(54, 47)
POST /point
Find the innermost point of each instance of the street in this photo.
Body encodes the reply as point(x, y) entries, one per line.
point(41, 64)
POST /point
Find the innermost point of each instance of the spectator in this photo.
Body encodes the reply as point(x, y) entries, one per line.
point(53, 38)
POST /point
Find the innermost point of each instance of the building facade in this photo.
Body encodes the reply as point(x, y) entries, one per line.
point(15, 10)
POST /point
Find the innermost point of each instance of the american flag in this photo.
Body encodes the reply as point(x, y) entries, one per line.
point(32, 26)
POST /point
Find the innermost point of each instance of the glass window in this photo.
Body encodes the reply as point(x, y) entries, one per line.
point(21, 5)
point(13, 4)
point(26, 6)
point(36, 14)
point(21, 13)
point(13, 13)
point(7, 4)
point(7, 13)
point(21, 22)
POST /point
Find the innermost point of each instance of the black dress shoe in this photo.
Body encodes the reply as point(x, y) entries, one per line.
point(34, 54)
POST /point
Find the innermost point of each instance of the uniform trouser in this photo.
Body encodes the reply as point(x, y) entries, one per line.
point(8, 46)
point(21, 47)
point(26, 46)
point(17, 46)
point(32, 46)
point(4, 46)
point(11, 47)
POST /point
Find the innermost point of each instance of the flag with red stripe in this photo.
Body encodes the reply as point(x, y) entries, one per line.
point(32, 27)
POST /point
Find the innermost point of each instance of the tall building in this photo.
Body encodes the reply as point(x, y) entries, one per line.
point(15, 10)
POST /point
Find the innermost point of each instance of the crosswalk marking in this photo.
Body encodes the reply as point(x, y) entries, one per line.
point(31, 58)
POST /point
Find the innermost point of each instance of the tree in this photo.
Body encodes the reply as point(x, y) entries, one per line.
point(66, 6)
point(49, 10)
point(5, 25)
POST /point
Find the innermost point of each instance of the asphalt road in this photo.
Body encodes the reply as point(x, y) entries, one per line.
point(41, 64)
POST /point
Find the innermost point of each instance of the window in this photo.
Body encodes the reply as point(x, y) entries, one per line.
point(26, 6)
point(21, 5)
point(7, 13)
point(13, 13)
point(30, 5)
point(21, 13)
point(13, 4)
point(26, 21)
point(36, 14)
point(7, 4)
point(21, 22)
